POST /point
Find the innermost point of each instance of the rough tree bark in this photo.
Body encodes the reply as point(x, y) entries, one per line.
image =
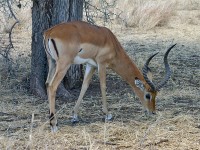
point(47, 13)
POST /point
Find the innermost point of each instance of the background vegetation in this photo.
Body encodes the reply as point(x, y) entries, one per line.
point(142, 27)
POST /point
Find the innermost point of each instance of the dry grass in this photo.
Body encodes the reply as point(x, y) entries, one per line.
point(188, 4)
point(20, 130)
point(24, 118)
point(149, 14)
point(145, 14)
point(176, 126)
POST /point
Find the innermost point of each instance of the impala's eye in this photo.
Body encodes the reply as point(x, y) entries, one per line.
point(148, 96)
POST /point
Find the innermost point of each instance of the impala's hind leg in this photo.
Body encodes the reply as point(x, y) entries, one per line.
point(52, 86)
point(89, 71)
point(52, 69)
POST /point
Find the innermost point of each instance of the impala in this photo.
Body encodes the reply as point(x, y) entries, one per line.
point(82, 43)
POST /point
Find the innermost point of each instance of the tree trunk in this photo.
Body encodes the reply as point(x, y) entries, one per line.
point(47, 13)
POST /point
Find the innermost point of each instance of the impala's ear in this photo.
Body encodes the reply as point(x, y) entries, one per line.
point(139, 84)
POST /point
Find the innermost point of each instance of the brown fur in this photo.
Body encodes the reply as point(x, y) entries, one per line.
point(100, 45)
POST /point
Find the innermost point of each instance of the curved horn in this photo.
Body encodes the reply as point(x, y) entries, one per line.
point(145, 70)
point(167, 70)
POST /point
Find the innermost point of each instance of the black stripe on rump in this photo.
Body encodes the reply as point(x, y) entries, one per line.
point(55, 47)
point(47, 50)
point(44, 43)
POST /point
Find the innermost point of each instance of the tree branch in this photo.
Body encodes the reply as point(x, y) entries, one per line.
point(17, 21)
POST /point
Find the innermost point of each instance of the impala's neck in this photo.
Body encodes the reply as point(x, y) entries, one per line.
point(125, 67)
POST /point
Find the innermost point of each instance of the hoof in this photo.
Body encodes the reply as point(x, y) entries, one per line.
point(108, 117)
point(54, 129)
point(74, 119)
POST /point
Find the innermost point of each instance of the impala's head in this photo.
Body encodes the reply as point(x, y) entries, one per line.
point(149, 88)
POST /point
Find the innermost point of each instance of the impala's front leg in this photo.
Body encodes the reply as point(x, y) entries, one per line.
point(102, 77)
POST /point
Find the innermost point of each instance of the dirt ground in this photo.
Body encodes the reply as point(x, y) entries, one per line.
point(24, 118)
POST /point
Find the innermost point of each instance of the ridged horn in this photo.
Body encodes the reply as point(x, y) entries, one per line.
point(167, 70)
point(145, 70)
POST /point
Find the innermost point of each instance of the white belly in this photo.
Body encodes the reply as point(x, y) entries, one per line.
point(79, 60)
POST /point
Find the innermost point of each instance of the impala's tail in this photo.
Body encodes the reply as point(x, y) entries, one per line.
point(51, 48)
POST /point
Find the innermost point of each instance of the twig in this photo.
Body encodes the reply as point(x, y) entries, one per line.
point(17, 21)
point(31, 131)
point(10, 9)
point(104, 10)
point(10, 34)
point(156, 143)
point(107, 143)
point(6, 51)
